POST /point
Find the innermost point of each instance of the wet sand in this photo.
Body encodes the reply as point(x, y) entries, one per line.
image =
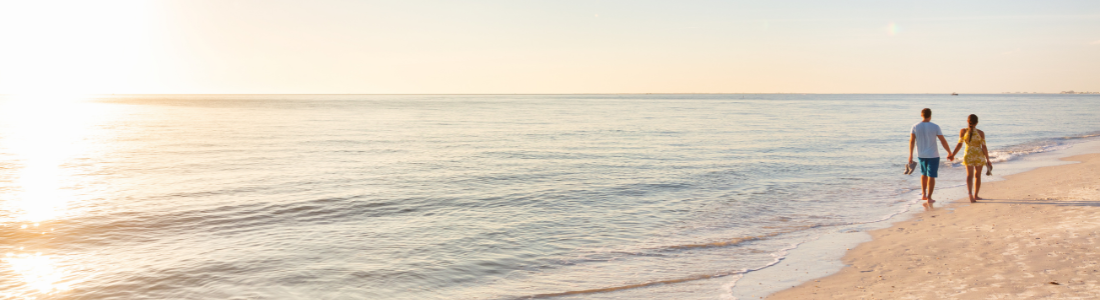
point(1036, 236)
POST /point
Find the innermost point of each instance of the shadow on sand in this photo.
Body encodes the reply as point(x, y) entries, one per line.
point(1040, 202)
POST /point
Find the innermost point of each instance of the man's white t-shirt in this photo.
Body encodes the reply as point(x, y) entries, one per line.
point(926, 133)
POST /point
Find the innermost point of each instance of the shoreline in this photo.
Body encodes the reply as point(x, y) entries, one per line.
point(991, 249)
point(823, 255)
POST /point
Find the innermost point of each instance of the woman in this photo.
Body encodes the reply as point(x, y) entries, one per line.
point(975, 156)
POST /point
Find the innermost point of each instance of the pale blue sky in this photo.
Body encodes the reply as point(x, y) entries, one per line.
point(269, 46)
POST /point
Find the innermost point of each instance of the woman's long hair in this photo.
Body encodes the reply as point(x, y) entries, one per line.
point(973, 121)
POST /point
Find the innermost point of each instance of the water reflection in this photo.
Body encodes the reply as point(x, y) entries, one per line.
point(40, 138)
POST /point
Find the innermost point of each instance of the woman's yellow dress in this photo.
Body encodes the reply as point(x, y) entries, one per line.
point(972, 155)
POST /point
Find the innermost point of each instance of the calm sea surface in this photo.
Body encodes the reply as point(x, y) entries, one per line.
point(458, 197)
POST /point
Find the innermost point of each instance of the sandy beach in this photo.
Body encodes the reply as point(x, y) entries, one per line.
point(1034, 237)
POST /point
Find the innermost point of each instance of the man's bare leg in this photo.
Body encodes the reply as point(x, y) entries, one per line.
point(923, 187)
point(931, 187)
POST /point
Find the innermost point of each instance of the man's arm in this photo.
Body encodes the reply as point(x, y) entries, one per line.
point(947, 148)
point(912, 143)
point(951, 156)
point(958, 146)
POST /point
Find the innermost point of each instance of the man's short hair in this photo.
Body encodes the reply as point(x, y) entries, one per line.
point(926, 113)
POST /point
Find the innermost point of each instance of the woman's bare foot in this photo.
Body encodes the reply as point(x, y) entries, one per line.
point(977, 198)
point(972, 199)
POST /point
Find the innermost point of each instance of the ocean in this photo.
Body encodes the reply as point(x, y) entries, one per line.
point(463, 196)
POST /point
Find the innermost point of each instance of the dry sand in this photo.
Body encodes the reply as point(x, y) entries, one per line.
point(1037, 236)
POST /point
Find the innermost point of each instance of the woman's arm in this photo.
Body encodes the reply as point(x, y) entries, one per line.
point(985, 151)
point(958, 145)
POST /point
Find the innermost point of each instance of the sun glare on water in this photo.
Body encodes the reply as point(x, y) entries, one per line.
point(41, 135)
point(39, 272)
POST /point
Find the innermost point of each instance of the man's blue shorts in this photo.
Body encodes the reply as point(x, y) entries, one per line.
point(929, 166)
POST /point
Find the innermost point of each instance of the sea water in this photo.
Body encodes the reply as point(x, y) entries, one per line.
point(464, 196)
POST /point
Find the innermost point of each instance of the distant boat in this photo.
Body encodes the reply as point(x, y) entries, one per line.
point(954, 94)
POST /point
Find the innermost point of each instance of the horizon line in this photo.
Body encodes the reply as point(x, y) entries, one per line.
point(490, 94)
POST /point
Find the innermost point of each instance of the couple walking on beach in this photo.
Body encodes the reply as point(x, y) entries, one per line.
point(924, 136)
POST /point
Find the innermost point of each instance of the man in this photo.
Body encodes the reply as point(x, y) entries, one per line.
point(923, 136)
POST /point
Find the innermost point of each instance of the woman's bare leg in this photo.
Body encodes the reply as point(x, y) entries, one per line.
point(977, 181)
point(969, 183)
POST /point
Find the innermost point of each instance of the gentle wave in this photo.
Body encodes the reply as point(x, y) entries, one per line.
point(1012, 152)
point(630, 286)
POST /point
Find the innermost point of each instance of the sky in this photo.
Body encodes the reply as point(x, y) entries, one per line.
point(558, 46)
